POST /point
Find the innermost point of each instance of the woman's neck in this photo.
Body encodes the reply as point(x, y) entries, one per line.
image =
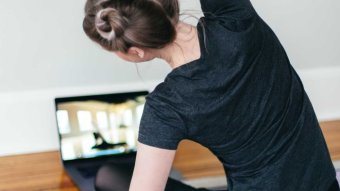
point(185, 47)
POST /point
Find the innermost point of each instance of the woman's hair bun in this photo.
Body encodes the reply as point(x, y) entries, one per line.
point(118, 25)
point(110, 23)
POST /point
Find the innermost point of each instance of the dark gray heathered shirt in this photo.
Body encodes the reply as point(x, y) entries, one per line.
point(243, 100)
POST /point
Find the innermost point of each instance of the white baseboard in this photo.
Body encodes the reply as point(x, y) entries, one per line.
point(337, 164)
point(28, 121)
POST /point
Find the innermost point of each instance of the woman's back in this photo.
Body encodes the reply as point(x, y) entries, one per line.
point(243, 100)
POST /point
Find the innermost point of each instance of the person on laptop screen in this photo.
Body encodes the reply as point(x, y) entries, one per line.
point(232, 89)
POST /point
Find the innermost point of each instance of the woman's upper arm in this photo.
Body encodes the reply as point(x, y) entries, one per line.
point(225, 7)
point(152, 168)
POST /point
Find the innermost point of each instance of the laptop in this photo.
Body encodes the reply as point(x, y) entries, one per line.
point(95, 130)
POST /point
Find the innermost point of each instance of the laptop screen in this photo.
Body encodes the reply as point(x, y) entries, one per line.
point(99, 125)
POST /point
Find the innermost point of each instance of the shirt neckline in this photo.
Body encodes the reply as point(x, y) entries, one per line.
point(194, 63)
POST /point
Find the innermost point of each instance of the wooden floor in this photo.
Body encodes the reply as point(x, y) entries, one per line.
point(43, 171)
point(33, 172)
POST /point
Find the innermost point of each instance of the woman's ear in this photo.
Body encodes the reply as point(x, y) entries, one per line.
point(136, 52)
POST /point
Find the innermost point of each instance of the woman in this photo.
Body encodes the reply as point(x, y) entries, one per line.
point(232, 89)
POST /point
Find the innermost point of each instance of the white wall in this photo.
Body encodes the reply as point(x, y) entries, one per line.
point(323, 89)
point(44, 53)
point(42, 45)
point(28, 122)
point(308, 29)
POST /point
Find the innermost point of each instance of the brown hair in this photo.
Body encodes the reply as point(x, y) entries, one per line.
point(118, 25)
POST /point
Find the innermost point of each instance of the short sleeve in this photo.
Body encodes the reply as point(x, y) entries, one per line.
point(160, 125)
point(232, 8)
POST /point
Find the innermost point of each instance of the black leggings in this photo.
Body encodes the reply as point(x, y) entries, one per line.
point(117, 177)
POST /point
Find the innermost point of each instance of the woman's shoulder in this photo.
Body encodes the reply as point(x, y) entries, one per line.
point(168, 95)
point(160, 95)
